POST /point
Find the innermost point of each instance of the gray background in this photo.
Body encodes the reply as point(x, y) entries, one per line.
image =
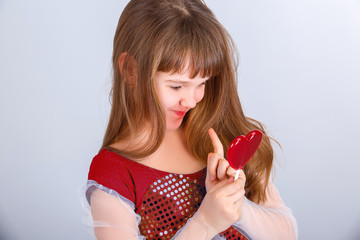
point(299, 75)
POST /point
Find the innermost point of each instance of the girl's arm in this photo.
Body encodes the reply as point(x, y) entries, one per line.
point(113, 218)
point(271, 220)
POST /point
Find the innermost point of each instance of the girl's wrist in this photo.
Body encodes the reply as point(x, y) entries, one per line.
point(200, 222)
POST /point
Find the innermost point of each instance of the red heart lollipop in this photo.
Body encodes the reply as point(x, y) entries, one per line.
point(242, 148)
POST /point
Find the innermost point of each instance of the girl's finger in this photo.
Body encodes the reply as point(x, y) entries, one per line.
point(230, 172)
point(232, 188)
point(242, 177)
point(218, 147)
point(236, 197)
point(212, 165)
point(218, 185)
point(222, 169)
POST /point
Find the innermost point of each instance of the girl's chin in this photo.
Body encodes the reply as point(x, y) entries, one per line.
point(173, 125)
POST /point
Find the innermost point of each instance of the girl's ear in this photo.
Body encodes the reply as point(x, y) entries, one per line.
point(127, 67)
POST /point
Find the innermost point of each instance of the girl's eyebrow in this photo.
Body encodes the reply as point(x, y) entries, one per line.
point(177, 81)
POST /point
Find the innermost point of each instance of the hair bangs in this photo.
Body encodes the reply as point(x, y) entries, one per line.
point(195, 49)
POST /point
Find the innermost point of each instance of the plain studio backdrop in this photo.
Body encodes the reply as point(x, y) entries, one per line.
point(299, 74)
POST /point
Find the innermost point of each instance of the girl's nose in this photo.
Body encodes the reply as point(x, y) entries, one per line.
point(188, 100)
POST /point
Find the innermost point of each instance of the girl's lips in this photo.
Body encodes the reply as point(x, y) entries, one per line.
point(180, 113)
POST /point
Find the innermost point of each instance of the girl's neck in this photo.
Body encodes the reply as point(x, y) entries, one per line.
point(173, 155)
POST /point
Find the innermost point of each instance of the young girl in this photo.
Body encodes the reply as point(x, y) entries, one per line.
point(161, 172)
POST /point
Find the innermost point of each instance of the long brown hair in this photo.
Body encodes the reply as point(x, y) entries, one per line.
point(160, 35)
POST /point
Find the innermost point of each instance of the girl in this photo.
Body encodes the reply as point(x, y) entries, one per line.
point(161, 172)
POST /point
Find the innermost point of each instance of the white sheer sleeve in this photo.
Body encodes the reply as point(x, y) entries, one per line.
point(272, 220)
point(196, 228)
point(111, 216)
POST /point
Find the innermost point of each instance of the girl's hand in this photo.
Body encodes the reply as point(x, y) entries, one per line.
point(222, 205)
point(218, 168)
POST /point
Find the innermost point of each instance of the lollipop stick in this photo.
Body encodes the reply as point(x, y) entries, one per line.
point(237, 173)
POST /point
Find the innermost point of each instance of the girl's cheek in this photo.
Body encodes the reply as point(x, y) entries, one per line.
point(199, 94)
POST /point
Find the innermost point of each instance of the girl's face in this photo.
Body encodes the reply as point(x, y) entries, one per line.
point(178, 93)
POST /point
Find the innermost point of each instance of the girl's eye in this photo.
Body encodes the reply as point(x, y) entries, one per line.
point(175, 87)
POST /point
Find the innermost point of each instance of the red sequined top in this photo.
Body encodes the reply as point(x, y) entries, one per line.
point(165, 201)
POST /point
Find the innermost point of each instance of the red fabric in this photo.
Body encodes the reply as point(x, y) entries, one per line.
point(165, 201)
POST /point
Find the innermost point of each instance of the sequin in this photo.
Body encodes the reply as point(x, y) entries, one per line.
point(170, 202)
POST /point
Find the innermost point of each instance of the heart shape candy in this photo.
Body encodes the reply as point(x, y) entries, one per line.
point(242, 148)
